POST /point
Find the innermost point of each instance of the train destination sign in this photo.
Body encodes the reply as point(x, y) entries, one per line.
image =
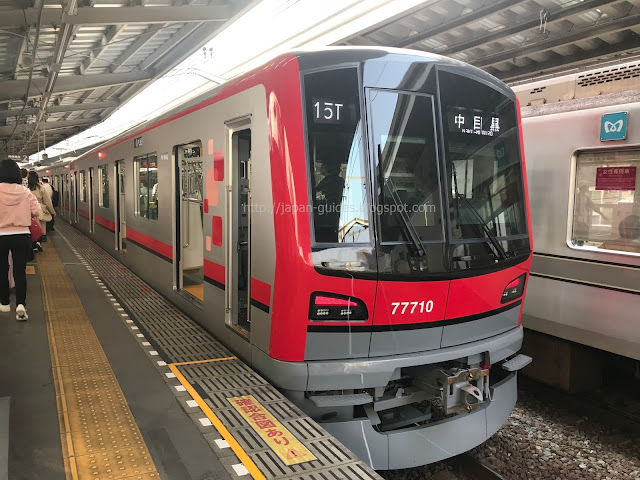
point(273, 433)
point(616, 178)
point(473, 122)
point(332, 111)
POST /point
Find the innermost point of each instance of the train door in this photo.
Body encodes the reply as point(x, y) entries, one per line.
point(91, 206)
point(121, 209)
point(189, 258)
point(76, 192)
point(62, 190)
point(238, 245)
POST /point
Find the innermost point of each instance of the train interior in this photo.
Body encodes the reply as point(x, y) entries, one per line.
point(190, 224)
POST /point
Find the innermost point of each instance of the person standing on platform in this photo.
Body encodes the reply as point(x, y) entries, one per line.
point(47, 212)
point(17, 206)
point(49, 189)
point(25, 180)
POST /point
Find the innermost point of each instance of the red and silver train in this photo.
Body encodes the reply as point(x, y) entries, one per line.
point(353, 223)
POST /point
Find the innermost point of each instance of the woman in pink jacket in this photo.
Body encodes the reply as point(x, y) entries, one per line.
point(17, 206)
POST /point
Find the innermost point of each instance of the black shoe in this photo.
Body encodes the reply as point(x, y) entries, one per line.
point(38, 247)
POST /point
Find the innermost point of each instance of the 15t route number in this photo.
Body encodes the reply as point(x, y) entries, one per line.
point(410, 307)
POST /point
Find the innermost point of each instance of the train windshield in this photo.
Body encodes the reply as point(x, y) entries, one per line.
point(335, 146)
point(436, 206)
point(486, 193)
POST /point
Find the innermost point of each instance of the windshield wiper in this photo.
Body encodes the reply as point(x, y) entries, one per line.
point(492, 238)
point(408, 226)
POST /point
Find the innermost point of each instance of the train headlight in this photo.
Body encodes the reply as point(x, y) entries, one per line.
point(336, 308)
point(514, 289)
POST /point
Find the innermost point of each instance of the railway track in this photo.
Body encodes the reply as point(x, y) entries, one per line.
point(625, 418)
point(461, 467)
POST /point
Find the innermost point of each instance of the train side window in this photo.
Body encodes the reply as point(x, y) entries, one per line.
point(83, 186)
point(146, 172)
point(606, 203)
point(103, 189)
point(336, 159)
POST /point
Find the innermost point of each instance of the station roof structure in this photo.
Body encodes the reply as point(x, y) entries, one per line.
point(66, 65)
point(516, 40)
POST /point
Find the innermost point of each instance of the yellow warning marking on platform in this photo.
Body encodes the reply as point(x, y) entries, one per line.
point(290, 450)
point(211, 360)
point(99, 436)
point(222, 430)
point(30, 270)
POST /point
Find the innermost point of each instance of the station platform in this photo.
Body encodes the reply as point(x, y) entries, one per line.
point(108, 380)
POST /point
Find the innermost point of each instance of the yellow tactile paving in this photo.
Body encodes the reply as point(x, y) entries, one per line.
point(100, 438)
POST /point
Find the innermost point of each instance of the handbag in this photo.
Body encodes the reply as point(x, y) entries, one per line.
point(36, 231)
point(44, 216)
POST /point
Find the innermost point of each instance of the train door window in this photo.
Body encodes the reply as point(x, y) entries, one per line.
point(606, 202)
point(74, 181)
point(239, 228)
point(121, 208)
point(190, 219)
point(146, 172)
point(103, 186)
point(338, 177)
point(82, 187)
point(90, 199)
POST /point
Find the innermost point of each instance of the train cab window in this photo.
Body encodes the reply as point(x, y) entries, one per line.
point(606, 203)
point(403, 137)
point(484, 173)
point(83, 186)
point(336, 157)
point(103, 188)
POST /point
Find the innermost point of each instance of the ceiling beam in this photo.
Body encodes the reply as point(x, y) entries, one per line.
point(167, 46)
point(57, 109)
point(183, 50)
point(114, 16)
point(93, 55)
point(15, 89)
point(565, 64)
point(555, 14)
point(138, 43)
point(598, 30)
point(28, 127)
point(457, 22)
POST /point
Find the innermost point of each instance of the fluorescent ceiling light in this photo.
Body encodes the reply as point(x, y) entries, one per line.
point(271, 28)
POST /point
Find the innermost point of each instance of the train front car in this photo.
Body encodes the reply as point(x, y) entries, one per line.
point(396, 314)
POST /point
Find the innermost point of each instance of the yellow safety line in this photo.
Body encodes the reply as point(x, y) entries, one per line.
point(233, 443)
point(63, 286)
point(70, 468)
point(204, 361)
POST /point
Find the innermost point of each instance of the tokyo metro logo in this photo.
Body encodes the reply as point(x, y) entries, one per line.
point(613, 126)
point(610, 127)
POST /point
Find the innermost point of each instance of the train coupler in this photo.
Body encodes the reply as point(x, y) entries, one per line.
point(463, 390)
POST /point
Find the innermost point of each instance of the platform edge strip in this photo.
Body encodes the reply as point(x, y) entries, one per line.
point(254, 471)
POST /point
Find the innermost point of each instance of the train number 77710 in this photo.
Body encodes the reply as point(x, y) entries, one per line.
point(424, 307)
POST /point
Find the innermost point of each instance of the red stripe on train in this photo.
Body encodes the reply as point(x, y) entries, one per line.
point(214, 271)
point(83, 213)
point(261, 292)
point(151, 243)
point(106, 223)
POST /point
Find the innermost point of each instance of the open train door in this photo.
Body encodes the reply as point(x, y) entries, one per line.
point(238, 244)
point(410, 299)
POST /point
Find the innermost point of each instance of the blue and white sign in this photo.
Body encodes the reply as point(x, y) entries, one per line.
point(613, 126)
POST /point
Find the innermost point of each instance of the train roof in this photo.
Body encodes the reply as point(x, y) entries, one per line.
point(309, 59)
